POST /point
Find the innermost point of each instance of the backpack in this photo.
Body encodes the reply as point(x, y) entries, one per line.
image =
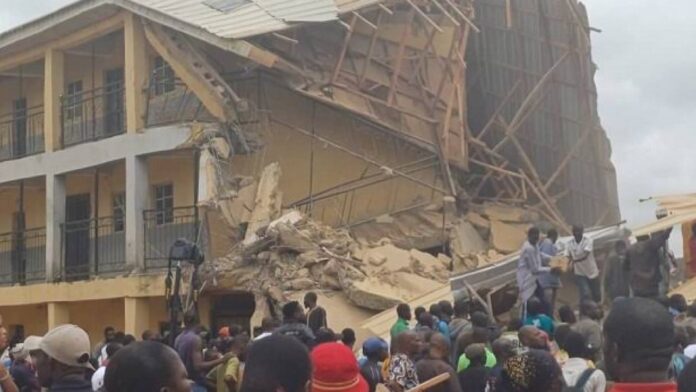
point(580, 384)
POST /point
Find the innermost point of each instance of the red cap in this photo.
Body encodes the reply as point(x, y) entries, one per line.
point(336, 369)
point(224, 332)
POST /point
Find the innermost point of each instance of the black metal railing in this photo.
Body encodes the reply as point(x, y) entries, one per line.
point(163, 227)
point(22, 133)
point(170, 101)
point(93, 114)
point(93, 247)
point(23, 257)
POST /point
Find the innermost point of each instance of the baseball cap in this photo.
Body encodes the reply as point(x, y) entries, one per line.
point(31, 343)
point(336, 369)
point(67, 344)
point(373, 346)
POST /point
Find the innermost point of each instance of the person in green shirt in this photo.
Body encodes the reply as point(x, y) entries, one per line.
point(403, 311)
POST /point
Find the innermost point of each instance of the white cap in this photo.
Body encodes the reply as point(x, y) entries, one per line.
point(67, 344)
point(31, 343)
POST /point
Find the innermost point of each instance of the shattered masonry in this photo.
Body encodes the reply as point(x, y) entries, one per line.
point(375, 154)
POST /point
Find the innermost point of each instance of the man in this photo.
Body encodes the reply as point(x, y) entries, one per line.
point(229, 374)
point(98, 376)
point(402, 371)
point(189, 346)
point(529, 267)
point(268, 325)
point(460, 322)
point(577, 369)
point(440, 320)
point(293, 324)
point(537, 318)
point(550, 282)
point(403, 313)
point(348, 338)
point(475, 377)
point(109, 336)
point(588, 326)
point(503, 349)
point(436, 362)
point(63, 359)
point(585, 268)
point(638, 345)
point(151, 336)
point(532, 337)
point(376, 352)
point(316, 315)
point(22, 370)
point(617, 279)
point(277, 363)
point(643, 264)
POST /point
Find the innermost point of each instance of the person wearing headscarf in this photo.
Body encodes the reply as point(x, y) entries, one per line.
point(533, 371)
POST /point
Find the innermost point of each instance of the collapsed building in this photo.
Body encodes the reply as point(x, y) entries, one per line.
point(362, 147)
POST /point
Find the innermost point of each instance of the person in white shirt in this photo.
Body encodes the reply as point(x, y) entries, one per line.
point(584, 265)
point(578, 371)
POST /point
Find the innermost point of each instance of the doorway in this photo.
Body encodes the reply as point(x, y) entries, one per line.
point(76, 233)
point(235, 308)
point(19, 127)
point(113, 102)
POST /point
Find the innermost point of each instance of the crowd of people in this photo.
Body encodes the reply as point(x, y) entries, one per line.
point(641, 341)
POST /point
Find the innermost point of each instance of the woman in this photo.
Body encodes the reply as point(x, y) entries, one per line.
point(533, 371)
point(146, 367)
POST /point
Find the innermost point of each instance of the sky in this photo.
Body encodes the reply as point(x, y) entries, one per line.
point(646, 85)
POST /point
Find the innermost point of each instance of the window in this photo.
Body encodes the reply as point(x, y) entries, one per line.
point(73, 100)
point(119, 211)
point(164, 78)
point(164, 203)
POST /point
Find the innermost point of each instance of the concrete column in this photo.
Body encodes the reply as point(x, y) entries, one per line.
point(55, 216)
point(54, 67)
point(137, 200)
point(58, 314)
point(136, 68)
point(137, 315)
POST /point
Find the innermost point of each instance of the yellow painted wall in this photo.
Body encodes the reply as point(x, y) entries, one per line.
point(94, 316)
point(33, 317)
point(331, 166)
point(34, 205)
point(177, 168)
point(91, 70)
point(13, 88)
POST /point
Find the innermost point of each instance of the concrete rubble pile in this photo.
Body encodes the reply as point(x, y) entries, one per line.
point(282, 252)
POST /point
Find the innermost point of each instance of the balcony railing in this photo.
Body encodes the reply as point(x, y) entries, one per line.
point(170, 101)
point(93, 247)
point(22, 133)
point(23, 257)
point(163, 227)
point(93, 115)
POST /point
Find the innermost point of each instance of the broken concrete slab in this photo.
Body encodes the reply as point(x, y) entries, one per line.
point(378, 293)
point(508, 213)
point(290, 237)
point(465, 239)
point(507, 237)
point(267, 206)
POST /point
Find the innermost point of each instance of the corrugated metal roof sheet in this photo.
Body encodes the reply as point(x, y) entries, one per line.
point(256, 17)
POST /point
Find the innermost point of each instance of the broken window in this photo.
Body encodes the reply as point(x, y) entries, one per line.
point(119, 211)
point(164, 78)
point(164, 203)
point(73, 100)
point(226, 5)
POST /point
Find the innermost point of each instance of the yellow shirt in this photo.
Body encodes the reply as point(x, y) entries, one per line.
point(229, 370)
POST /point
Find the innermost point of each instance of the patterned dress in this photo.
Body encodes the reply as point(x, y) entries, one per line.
point(402, 370)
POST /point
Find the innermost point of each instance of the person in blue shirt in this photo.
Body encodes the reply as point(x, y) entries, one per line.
point(537, 318)
point(550, 282)
point(441, 323)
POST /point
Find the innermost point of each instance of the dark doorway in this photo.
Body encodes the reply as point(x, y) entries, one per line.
point(114, 122)
point(76, 231)
point(19, 128)
point(236, 308)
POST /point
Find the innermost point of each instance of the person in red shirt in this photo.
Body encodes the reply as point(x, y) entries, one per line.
point(638, 342)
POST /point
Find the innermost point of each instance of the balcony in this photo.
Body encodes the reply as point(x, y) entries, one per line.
point(23, 257)
point(163, 227)
point(93, 247)
point(22, 133)
point(170, 101)
point(93, 115)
